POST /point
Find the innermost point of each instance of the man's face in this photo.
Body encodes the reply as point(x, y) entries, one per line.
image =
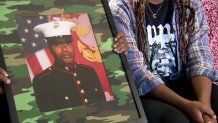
point(63, 52)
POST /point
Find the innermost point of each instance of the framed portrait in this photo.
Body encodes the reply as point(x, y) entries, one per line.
point(60, 59)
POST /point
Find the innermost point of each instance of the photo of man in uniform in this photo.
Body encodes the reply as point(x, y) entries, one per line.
point(66, 83)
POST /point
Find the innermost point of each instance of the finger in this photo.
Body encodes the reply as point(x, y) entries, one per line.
point(4, 79)
point(209, 112)
point(120, 42)
point(206, 119)
point(118, 36)
point(122, 48)
point(3, 72)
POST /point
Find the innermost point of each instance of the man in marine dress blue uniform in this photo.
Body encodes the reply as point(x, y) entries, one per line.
point(65, 84)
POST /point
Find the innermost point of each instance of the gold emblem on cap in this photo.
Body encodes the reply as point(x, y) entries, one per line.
point(55, 25)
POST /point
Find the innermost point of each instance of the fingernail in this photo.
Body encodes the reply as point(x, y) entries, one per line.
point(115, 39)
point(6, 74)
point(115, 49)
point(8, 81)
point(214, 117)
point(115, 45)
point(126, 53)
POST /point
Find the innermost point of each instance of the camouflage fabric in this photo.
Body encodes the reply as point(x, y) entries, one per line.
point(120, 110)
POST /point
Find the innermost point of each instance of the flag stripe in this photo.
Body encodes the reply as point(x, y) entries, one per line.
point(50, 56)
point(30, 71)
point(34, 64)
point(43, 59)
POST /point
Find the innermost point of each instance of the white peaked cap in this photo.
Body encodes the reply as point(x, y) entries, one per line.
point(57, 28)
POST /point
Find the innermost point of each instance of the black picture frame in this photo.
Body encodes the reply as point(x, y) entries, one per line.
point(127, 107)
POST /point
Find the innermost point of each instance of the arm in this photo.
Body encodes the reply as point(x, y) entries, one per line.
point(200, 61)
point(202, 86)
point(211, 10)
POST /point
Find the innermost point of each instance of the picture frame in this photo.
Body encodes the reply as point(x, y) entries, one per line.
point(92, 33)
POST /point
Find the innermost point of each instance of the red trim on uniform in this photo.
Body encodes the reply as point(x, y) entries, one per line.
point(49, 71)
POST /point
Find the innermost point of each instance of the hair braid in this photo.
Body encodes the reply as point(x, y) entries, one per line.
point(140, 10)
point(186, 25)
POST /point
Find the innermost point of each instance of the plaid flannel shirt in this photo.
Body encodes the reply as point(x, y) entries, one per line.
point(199, 58)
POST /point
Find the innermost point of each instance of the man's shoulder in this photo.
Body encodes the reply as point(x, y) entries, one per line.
point(44, 73)
point(85, 69)
point(82, 67)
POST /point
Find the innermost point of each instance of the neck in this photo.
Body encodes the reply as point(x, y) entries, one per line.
point(155, 1)
point(61, 63)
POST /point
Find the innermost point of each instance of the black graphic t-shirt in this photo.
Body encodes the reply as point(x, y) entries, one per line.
point(161, 39)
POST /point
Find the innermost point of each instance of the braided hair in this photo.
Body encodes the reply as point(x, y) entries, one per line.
point(185, 20)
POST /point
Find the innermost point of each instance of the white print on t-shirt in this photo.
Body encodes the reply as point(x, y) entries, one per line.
point(162, 49)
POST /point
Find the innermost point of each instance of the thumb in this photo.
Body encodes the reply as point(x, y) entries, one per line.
point(118, 35)
point(3, 72)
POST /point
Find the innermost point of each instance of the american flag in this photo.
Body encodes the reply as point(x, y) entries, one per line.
point(36, 51)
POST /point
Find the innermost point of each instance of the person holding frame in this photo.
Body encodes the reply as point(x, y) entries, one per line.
point(169, 58)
